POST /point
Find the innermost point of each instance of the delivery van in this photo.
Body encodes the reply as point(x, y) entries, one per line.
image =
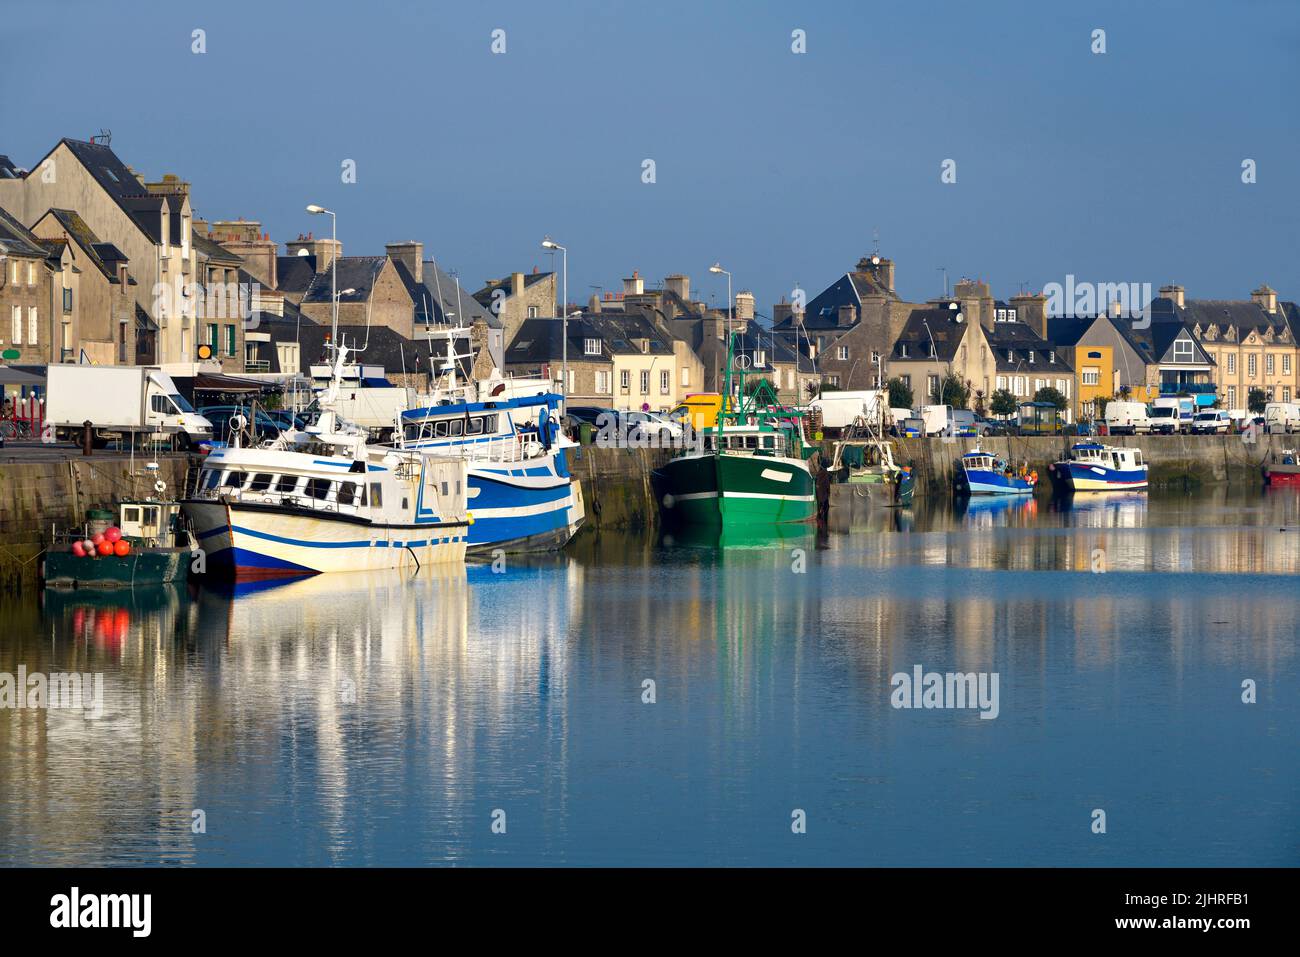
point(1127, 418)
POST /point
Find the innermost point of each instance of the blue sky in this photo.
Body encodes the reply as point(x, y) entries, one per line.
point(1120, 167)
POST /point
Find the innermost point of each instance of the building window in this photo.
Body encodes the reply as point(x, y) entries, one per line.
point(1092, 377)
point(625, 380)
point(1002, 382)
point(645, 381)
point(1001, 316)
point(1232, 396)
point(842, 353)
point(1268, 363)
point(686, 376)
point(602, 382)
point(1183, 350)
point(18, 325)
point(1286, 393)
point(67, 300)
point(902, 350)
point(31, 325)
point(230, 340)
point(212, 335)
point(591, 347)
point(31, 274)
point(1011, 315)
point(875, 357)
point(932, 386)
point(665, 382)
point(1286, 363)
point(760, 358)
point(1250, 365)
point(907, 380)
point(1051, 355)
point(1232, 363)
point(833, 380)
point(573, 378)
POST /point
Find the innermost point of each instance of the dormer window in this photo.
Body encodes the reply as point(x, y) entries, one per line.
point(1031, 356)
point(1051, 356)
point(1011, 315)
point(1011, 356)
point(591, 347)
point(902, 350)
point(1001, 315)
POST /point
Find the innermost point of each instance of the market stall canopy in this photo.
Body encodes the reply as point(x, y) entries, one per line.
point(11, 376)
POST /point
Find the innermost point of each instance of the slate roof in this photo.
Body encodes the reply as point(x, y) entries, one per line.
point(295, 273)
point(17, 240)
point(215, 252)
point(947, 335)
point(1240, 316)
point(1153, 343)
point(357, 273)
point(1017, 346)
point(541, 340)
point(385, 347)
point(435, 300)
point(822, 311)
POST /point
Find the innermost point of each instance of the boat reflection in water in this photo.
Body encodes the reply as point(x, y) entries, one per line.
point(1104, 509)
point(995, 511)
point(743, 537)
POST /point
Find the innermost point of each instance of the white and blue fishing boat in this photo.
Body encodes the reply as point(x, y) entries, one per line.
point(521, 492)
point(982, 473)
point(1092, 467)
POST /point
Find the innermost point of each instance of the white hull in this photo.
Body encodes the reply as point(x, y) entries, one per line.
point(251, 541)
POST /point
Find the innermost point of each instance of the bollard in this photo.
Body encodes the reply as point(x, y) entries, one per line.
point(87, 437)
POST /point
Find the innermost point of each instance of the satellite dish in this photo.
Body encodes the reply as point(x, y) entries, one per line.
point(959, 318)
point(303, 252)
point(953, 306)
point(875, 260)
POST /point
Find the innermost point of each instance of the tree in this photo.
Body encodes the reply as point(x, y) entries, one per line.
point(1003, 403)
point(900, 394)
point(754, 383)
point(1257, 400)
point(1125, 392)
point(1100, 404)
point(1054, 396)
point(954, 392)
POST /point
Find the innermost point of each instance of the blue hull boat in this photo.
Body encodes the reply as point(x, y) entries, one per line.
point(979, 473)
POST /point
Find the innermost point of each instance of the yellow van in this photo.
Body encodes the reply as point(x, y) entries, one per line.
point(700, 409)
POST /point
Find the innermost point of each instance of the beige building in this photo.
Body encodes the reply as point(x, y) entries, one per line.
point(1252, 343)
point(150, 223)
point(29, 293)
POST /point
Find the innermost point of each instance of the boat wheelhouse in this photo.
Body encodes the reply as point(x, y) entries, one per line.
point(865, 461)
point(751, 469)
point(982, 473)
point(1093, 467)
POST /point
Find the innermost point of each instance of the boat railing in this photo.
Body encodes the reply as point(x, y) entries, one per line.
point(295, 500)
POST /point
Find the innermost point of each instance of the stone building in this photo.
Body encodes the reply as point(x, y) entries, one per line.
point(29, 295)
point(517, 297)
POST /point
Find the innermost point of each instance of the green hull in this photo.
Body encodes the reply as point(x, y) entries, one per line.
point(143, 567)
point(734, 490)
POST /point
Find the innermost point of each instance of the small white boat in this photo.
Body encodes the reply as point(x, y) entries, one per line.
point(1092, 467)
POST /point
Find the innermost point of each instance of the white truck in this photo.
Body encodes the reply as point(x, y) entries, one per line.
point(1126, 418)
point(1282, 417)
point(839, 409)
point(938, 419)
point(122, 402)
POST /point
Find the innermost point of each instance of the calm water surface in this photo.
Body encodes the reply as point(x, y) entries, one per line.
point(382, 719)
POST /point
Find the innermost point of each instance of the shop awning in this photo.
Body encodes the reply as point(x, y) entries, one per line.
point(218, 382)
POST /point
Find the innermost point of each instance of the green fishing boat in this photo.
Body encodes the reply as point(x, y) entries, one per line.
point(751, 469)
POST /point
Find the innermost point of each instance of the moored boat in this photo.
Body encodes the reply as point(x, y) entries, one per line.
point(149, 545)
point(1092, 467)
point(981, 473)
point(865, 463)
point(750, 469)
point(1283, 473)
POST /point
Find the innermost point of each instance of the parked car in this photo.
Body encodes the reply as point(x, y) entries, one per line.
point(1212, 422)
point(220, 416)
point(652, 425)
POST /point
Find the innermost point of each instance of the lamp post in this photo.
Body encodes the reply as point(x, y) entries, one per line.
point(717, 268)
point(549, 243)
point(334, 266)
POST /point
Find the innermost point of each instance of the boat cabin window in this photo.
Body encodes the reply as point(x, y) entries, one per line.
point(376, 494)
point(261, 482)
point(286, 484)
point(474, 426)
point(318, 488)
point(210, 479)
point(347, 493)
point(131, 514)
point(235, 479)
point(455, 427)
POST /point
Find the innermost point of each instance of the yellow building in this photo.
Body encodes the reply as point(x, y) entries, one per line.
point(1094, 378)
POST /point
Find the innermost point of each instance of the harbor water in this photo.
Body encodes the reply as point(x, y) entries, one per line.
point(693, 701)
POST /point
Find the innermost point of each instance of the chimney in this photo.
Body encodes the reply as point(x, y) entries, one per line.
point(744, 305)
point(257, 250)
point(680, 285)
point(516, 283)
point(1031, 309)
point(1265, 298)
point(410, 254)
point(633, 286)
point(1172, 292)
point(323, 249)
point(593, 304)
point(845, 316)
point(879, 268)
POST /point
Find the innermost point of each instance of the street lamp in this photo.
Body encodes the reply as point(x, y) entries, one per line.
point(717, 268)
point(334, 265)
point(549, 243)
